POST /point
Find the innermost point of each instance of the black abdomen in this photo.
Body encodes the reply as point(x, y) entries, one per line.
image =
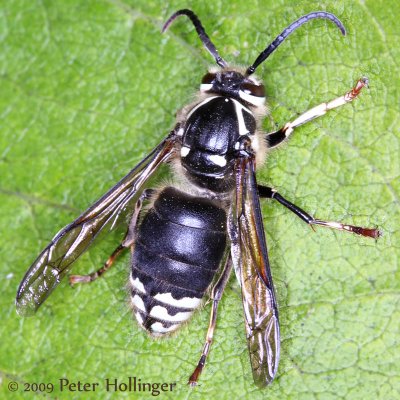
point(178, 248)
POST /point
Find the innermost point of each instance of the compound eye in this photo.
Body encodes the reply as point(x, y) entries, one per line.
point(207, 82)
point(252, 89)
point(208, 78)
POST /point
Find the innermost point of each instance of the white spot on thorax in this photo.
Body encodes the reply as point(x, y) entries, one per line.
point(218, 160)
point(185, 151)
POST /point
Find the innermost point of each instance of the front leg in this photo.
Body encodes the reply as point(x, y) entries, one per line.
point(276, 138)
point(269, 193)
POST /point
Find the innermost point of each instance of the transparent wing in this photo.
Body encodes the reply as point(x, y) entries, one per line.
point(56, 259)
point(250, 258)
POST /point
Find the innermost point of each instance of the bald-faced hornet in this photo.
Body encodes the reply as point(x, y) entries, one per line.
point(191, 234)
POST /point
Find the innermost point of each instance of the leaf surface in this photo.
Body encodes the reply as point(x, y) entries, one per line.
point(88, 88)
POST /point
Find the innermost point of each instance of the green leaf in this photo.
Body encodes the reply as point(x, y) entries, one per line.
point(89, 87)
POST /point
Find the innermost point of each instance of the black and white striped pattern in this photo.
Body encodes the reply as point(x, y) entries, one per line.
point(178, 248)
point(160, 312)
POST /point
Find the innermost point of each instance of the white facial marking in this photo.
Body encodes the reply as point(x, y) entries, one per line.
point(255, 100)
point(180, 132)
point(162, 313)
point(158, 327)
point(136, 284)
point(185, 302)
point(218, 160)
point(138, 303)
point(205, 86)
point(185, 151)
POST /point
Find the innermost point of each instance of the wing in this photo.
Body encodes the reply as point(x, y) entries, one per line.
point(250, 258)
point(56, 259)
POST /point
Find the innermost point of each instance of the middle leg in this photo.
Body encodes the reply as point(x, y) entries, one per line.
point(216, 297)
point(126, 243)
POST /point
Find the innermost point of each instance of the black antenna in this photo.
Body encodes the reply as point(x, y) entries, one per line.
point(208, 44)
point(286, 32)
